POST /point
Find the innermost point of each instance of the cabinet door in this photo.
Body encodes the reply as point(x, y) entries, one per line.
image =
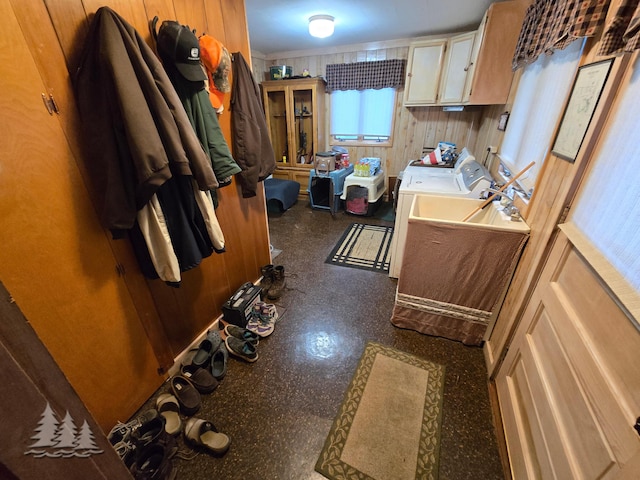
point(478, 39)
point(276, 108)
point(423, 73)
point(456, 67)
point(490, 82)
point(56, 260)
point(305, 125)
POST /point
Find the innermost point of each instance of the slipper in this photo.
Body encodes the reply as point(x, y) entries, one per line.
point(219, 362)
point(205, 434)
point(200, 377)
point(186, 394)
point(169, 408)
point(202, 356)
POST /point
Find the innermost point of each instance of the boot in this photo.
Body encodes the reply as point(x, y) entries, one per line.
point(278, 284)
point(266, 281)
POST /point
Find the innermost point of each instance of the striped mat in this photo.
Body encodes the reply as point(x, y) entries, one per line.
point(367, 247)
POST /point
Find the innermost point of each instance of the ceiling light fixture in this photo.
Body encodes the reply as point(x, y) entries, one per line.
point(321, 26)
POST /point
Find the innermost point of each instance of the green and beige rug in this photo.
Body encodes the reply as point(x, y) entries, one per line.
point(388, 426)
point(363, 246)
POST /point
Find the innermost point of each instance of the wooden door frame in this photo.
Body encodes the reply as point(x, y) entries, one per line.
point(31, 379)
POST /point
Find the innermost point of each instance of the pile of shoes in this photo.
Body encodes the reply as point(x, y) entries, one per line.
point(148, 443)
point(273, 282)
point(241, 342)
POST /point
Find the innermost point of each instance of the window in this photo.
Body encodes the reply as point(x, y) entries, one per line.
point(607, 210)
point(362, 116)
point(539, 103)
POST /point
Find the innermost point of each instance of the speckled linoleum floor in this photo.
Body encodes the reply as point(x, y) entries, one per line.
point(279, 410)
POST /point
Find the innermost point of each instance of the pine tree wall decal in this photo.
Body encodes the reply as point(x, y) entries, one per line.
point(56, 439)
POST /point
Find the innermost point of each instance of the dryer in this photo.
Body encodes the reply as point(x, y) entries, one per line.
point(467, 180)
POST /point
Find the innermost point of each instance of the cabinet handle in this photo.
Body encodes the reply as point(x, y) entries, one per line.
point(466, 69)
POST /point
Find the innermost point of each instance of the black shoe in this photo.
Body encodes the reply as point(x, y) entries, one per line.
point(154, 463)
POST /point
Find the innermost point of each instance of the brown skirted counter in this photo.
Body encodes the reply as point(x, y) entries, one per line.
point(453, 277)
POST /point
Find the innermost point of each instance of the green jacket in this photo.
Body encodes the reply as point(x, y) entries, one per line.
point(204, 120)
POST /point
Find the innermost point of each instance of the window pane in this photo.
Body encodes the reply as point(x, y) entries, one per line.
point(366, 112)
point(376, 112)
point(608, 208)
point(343, 104)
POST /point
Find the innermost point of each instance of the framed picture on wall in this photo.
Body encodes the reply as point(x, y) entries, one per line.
point(585, 94)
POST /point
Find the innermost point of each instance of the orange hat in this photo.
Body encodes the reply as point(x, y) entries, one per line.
point(217, 62)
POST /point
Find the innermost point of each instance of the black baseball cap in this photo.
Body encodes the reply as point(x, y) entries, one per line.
point(179, 46)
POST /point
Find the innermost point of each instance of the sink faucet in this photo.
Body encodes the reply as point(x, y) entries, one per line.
point(508, 207)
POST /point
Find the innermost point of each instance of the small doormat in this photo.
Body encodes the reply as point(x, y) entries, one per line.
point(363, 246)
point(388, 425)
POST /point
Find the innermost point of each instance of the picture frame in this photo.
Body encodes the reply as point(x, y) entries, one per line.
point(583, 100)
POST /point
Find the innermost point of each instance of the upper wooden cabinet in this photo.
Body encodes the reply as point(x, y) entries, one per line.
point(490, 73)
point(423, 72)
point(454, 76)
point(472, 68)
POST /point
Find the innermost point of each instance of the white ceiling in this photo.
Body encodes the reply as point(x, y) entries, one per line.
point(282, 25)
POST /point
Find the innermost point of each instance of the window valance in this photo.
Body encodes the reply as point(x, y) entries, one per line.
point(623, 32)
point(366, 75)
point(552, 25)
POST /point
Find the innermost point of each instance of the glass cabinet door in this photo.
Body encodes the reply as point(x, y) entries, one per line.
point(304, 121)
point(276, 110)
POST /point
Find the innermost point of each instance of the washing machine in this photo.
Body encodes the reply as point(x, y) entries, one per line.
point(469, 179)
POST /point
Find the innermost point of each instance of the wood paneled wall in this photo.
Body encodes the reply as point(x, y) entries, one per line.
point(109, 328)
point(414, 128)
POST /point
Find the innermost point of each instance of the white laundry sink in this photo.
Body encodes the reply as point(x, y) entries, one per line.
point(453, 209)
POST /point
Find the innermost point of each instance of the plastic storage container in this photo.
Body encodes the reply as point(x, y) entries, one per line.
point(363, 195)
point(323, 185)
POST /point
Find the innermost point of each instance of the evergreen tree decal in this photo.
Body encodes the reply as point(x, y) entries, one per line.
point(56, 439)
point(46, 429)
point(85, 439)
point(66, 435)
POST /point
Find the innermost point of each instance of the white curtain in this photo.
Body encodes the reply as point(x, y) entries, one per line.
point(607, 210)
point(539, 103)
point(362, 112)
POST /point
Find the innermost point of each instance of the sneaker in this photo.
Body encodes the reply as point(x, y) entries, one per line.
point(121, 432)
point(242, 334)
point(241, 349)
point(263, 319)
point(154, 463)
point(126, 450)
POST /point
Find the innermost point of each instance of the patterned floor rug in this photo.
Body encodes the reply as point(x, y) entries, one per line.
point(367, 247)
point(388, 426)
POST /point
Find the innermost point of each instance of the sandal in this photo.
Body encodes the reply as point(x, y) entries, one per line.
point(205, 434)
point(169, 408)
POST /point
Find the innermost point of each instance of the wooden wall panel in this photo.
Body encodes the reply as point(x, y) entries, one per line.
point(56, 261)
point(54, 33)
